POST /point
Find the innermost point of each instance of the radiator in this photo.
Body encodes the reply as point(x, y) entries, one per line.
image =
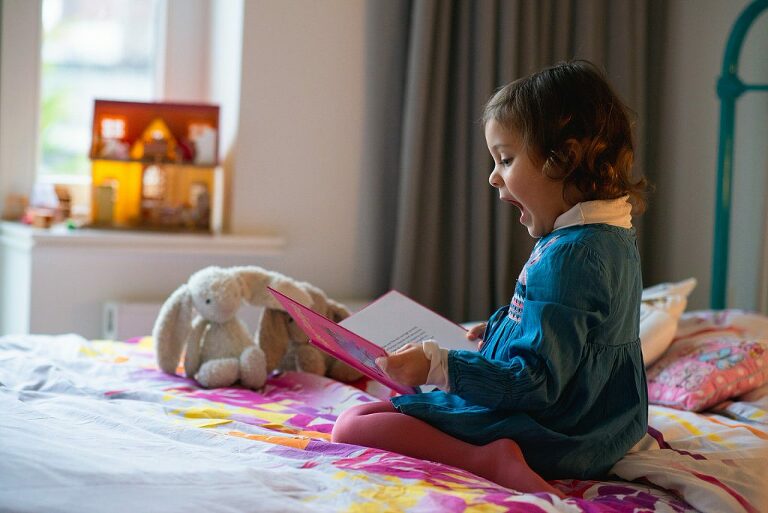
point(123, 320)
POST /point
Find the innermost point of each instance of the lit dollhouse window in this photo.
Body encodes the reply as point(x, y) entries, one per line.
point(112, 128)
point(203, 136)
point(197, 130)
point(92, 49)
point(154, 183)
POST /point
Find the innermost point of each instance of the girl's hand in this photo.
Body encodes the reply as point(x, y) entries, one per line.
point(475, 332)
point(408, 365)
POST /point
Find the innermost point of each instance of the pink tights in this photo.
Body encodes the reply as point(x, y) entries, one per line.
point(381, 426)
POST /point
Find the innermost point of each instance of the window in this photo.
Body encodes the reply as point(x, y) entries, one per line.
point(191, 38)
point(92, 49)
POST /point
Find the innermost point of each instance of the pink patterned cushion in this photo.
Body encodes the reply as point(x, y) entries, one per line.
point(697, 373)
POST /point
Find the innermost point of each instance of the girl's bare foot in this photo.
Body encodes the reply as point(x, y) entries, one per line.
point(506, 466)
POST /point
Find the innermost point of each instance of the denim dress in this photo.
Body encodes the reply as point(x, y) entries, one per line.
point(561, 370)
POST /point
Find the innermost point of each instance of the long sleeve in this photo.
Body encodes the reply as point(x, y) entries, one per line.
point(566, 297)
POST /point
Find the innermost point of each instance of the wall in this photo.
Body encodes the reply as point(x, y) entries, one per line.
point(682, 206)
point(298, 161)
point(750, 212)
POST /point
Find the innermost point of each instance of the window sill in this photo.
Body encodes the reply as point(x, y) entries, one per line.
point(24, 237)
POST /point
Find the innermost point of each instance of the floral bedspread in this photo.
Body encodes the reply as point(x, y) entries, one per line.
point(94, 426)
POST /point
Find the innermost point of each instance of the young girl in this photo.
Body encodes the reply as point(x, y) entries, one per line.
point(557, 389)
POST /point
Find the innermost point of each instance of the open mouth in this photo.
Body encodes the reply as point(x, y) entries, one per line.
point(519, 206)
point(513, 202)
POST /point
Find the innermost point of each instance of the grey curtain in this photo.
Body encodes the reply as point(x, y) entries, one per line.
point(443, 237)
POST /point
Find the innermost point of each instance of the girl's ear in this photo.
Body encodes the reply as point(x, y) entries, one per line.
point(172, 328)
point(563, 160)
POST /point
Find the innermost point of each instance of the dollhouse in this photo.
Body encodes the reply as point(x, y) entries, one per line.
point(154, 165)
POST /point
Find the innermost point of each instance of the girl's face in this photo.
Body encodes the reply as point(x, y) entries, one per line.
point(522, 183)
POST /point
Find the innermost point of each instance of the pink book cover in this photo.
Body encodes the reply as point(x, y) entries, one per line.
point(339, 342)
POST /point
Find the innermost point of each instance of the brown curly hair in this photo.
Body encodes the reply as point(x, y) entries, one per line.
point(574, 126)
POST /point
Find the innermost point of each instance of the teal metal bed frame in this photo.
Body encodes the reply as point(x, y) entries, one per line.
point(729, 89)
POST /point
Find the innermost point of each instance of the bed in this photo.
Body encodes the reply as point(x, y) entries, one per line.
point(93, 425)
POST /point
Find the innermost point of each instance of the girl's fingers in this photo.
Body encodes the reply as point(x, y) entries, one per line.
point(393, 361)
point(476, 331)
point(409, 366)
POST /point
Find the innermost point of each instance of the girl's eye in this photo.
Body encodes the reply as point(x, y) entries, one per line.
point(506, 162)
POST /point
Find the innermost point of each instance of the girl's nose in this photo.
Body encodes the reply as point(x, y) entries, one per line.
point(495, 180)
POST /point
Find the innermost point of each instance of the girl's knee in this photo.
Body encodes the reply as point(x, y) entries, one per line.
point(344, 428)
point(348, 425)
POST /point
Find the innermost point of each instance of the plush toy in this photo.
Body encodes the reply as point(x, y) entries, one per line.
point(287, 347)
point(202, 315)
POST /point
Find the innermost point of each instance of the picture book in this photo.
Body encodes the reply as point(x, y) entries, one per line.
point(379, 329)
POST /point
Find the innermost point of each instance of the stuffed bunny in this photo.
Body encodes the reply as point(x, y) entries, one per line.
point(219, 350)
point(287, 347)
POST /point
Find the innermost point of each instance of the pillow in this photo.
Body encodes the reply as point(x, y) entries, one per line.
point(660, 310)
point(657, 328)
point(662, 290)
point(707, 323)
point(696, 374)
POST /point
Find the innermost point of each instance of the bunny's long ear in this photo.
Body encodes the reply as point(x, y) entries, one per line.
point(292, 289)
point(172, 328)
point(255, 281)
point(322, 304)
point(336, 311)
point(273, 336)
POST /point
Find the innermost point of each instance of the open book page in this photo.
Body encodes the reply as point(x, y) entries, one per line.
point(340, 342)
point(394, 320)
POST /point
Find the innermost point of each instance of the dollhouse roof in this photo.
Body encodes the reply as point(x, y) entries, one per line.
point(139, 117)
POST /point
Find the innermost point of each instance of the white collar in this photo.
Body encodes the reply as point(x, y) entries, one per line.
point(615, 212)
